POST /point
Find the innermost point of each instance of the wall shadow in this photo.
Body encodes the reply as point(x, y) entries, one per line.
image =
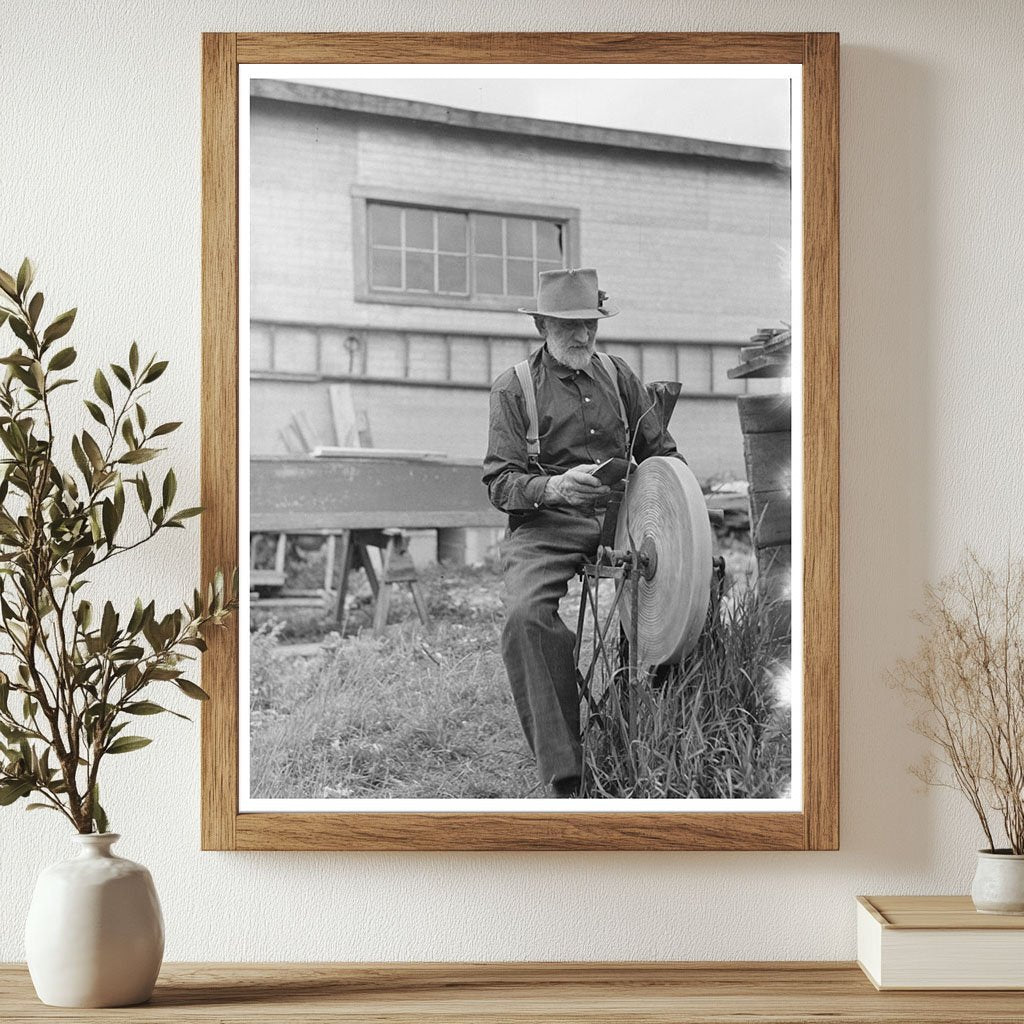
point(886, 372)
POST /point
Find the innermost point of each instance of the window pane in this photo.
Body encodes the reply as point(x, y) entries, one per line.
point(385, 225)
point(451, 232)
point(519, 233)
point(416, 249)
point(419, 229)
point(451, 272)
point(419, 271)
point(488, 275)
point(520, 277)
point(385, 268)
point(487, 234)
point(549, 241)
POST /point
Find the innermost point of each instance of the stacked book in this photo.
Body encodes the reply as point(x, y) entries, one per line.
point(938, 942)
point(769, 354)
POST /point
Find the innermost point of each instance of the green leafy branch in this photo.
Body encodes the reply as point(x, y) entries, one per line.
point(82, 675)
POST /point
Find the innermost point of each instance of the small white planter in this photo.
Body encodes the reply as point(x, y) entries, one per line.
point(95, 933)
point(999, 883)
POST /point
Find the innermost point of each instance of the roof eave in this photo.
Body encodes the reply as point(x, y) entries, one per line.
point(561, 131)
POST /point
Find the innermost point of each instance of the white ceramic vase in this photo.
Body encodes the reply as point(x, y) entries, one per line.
point(95, 933)
point(999, 882)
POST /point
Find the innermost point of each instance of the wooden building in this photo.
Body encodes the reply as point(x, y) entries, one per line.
point(392, 241)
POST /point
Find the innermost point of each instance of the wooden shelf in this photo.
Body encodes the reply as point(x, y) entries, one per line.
point(657, 993)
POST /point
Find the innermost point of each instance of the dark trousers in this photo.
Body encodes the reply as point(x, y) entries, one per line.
point(538, 559)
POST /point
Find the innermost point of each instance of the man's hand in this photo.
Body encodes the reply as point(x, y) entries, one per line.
point(575, 488)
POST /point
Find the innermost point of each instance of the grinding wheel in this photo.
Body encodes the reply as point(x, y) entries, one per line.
point(664, 515)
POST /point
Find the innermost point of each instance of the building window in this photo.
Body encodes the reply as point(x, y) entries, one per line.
point(417, 250)
point(509, 253)
point(438, 255)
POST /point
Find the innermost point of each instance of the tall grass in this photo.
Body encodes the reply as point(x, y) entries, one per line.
point(430, 715)
point(713, 727)
point(406, 715)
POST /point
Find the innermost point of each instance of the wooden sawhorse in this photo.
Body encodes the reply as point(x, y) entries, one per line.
point(397, 568)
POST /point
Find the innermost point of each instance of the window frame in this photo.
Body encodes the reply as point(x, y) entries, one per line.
point(363, 195)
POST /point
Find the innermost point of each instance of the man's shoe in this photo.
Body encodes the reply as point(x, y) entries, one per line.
point(566, 789)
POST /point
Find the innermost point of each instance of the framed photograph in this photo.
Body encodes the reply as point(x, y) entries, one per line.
point(520, 419)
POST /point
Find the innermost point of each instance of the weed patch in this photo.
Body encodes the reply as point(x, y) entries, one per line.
point(420, 715)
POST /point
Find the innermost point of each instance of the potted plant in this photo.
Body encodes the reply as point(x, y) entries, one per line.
point(967, 682)
point(79, 671)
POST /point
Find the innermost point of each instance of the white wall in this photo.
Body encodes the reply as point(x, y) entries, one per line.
point(99, 166)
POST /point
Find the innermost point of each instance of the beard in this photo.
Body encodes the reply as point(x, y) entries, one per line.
point(576, 357)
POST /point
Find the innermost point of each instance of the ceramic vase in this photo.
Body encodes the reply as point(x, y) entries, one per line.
point(95, 933)
point(999, 882)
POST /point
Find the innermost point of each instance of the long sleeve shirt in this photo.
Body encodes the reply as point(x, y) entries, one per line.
point(579, 422)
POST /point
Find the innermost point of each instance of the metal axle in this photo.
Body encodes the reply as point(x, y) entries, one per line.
point(645, 560)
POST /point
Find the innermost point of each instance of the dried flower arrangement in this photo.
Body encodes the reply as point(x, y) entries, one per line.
point(967, 681)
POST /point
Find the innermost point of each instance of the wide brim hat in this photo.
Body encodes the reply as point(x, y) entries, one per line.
point(570, 295)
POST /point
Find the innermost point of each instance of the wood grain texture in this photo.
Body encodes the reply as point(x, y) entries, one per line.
point(578, 831)
point(936, 912)
point(614, 993)
point(821, 440)
point(521, 48)
point(815, 828)
point(219, 429)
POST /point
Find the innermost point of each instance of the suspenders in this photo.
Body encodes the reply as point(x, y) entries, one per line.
point(529, 395)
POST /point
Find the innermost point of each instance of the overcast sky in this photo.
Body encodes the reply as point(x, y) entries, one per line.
point(752, 112)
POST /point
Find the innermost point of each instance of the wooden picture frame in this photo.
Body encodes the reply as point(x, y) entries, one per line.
point(816, 826)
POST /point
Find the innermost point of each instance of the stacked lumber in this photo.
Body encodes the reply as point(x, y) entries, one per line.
point(767, 452)
point(766, 422)
point(769, 354)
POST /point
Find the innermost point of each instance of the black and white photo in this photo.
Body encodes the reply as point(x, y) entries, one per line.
point(520, 373)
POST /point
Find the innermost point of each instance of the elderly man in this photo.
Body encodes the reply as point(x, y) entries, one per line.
point(589, 407)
